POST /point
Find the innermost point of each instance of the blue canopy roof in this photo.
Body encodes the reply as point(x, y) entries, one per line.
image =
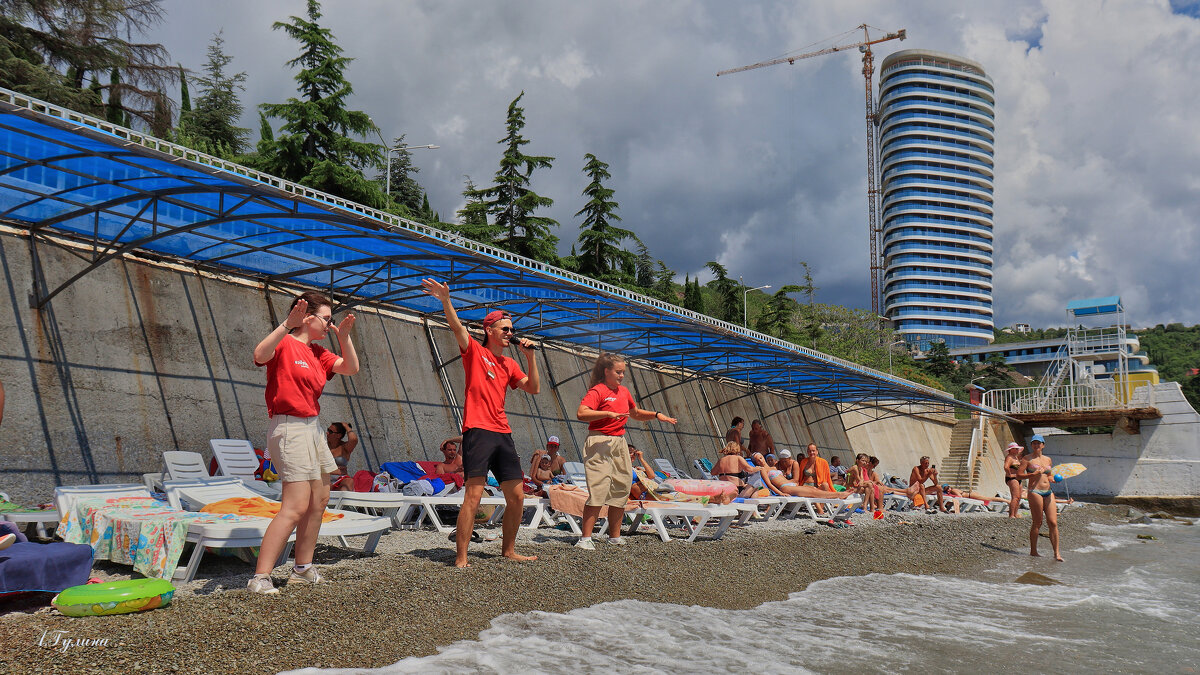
point(1094, 306)
point(120, 191)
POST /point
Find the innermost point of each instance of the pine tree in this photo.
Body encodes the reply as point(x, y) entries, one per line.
point(88, 40)
point(644, 263)
point(473, 218)
point(212, 126)
point(729, 305)
point(779, 317)
point(511, 202)
point(599, 241)
point(663, 287)
point(314, 146)
point(405, 190)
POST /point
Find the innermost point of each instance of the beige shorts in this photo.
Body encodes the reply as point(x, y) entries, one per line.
point(609, 471)
point(298, 449)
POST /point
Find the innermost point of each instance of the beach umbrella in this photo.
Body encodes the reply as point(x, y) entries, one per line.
point(1068, 470)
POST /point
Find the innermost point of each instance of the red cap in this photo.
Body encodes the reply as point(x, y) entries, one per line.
point(494, 316)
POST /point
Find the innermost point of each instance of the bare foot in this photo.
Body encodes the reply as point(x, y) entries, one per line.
point(1035, 554)
point(1059, 558)
point(520, 558)
point(461, 563)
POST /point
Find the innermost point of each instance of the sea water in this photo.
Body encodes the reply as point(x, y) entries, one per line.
point(1125, 605)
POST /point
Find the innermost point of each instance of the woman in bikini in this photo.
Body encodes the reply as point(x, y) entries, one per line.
point(1036, 468)
point(732, 467)
point(859, 479)
point(341, 440)
point(778, 483)
point(1012, 465)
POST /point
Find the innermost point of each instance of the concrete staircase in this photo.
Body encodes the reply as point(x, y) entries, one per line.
point(954, 468)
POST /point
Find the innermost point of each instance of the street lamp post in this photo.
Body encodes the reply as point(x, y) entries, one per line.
point(745, 301)
point(889, 348)
point(388, 187)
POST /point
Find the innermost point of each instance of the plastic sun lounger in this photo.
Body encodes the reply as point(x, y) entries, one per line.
point(765, 509)
point(196, 493)
point(201, 535)
point(235, 457)
point(428, 511)
point(704, 469)
point(668, 469)
point(396, 506)
point(663, 513)
point(576, 474)
point(838, 509)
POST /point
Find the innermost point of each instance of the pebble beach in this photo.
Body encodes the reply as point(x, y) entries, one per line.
point(407, 599)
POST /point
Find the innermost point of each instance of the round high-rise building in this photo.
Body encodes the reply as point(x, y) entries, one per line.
point(936, 133)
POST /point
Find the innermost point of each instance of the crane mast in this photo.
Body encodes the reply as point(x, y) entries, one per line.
point(874, 228)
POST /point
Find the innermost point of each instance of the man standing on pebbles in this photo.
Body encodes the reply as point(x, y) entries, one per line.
point(487, 443)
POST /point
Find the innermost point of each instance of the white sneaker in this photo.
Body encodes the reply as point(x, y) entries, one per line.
point(262, 585)
point(7, 540)
point(308, 576)
point(617, 541)
point(586, 544)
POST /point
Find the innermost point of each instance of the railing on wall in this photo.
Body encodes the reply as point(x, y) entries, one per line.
point(1066, 398)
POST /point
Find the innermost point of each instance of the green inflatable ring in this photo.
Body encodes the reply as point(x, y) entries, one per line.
point(114, 597)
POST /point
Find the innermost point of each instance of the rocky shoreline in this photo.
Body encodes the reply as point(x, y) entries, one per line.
point(407, 599)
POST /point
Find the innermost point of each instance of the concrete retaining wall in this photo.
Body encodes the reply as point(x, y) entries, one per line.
point(140, 357)
point(1162, 460)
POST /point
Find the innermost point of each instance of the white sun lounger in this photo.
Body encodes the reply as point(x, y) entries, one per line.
point(235, 457)
point(683, 514)
point(576, 474)
point(836, 509)
point(766, 508)
point(704, 471)
point(195, 494)
point(246, 534)
point(668, 469)
point(427, 510)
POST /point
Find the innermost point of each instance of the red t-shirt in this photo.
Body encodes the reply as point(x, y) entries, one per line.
point(487, 377)
point(296, 375)
point(619, 400)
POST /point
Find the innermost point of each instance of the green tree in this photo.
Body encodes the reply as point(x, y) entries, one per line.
point(405, 190)
point(511, 202)
point(663, 286)
point(728, 306)
point(212, 125)
point(73, 47)
point(473, 217)
point(779, 318)
point(938, 360)
point(600, 251)
point(693, 298)
point(314, 145)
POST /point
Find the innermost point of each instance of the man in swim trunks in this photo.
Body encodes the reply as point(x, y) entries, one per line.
point(916, 482)
point(487, 436)
point(760, 439)
point(1036, 469)
point(556, 460)
point(451, 460)
point(734, 435)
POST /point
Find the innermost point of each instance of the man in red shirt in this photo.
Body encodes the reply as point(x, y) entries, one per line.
point(487, 443)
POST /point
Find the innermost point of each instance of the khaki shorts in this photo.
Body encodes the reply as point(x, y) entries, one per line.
point(609, 471)
point(297, 448)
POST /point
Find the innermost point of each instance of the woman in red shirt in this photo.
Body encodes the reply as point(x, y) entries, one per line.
point(606, 408)
point(297, 370)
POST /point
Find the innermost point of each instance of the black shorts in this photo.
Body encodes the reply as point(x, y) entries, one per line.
point(484, 451)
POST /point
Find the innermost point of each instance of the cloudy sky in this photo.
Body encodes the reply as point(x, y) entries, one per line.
point(1097, 125)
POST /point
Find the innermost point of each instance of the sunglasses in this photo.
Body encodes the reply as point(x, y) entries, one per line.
point(328, 320)
point(506, 329)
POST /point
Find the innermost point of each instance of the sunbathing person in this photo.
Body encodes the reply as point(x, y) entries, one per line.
point(760, 438)
point(1036, 468)
point(732, 467)
point(837, 471)
point(778, 484)
point(542, 475)
point(916, 482)
point(556, 460)
point(451, 460)
point(858, 479)
point(1012, 466)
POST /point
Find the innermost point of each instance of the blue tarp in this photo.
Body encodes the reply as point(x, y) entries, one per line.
point(68, 175)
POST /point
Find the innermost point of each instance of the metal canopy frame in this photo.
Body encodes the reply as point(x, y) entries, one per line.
point(67, 175)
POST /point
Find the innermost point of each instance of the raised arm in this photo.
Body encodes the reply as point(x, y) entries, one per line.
point(442, 292)
point(265, 350)
point(532, 383)
point(348, 363)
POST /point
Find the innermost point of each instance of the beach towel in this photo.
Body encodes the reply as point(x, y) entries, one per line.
point(254, 506)
point(363, 480)
point(405, 472)
point(919, 500)
point(44, 567)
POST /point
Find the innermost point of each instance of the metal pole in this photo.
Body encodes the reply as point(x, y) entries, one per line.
point(388, 189)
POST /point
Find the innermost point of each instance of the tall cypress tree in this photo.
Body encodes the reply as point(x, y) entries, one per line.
point(511, 202)
point(212, 126)
point(600, 251)
point(314, 146)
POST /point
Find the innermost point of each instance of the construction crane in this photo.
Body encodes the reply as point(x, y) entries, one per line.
point(868, 71)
